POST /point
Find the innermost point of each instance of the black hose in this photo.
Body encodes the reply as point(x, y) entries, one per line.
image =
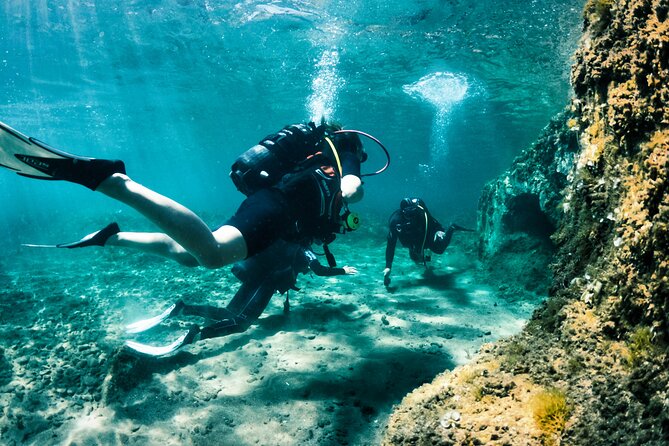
point(376, 141)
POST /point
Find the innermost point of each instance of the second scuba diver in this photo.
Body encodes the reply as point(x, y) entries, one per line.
point(416, 229)
point(298, 181)
point(273, 270)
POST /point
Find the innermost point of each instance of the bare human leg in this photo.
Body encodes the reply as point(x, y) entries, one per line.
point(153, 243)
point(185, 232)
point(31, 158)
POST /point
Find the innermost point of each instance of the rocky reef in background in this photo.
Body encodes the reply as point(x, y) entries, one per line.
point(592, 199)
point(519, 211)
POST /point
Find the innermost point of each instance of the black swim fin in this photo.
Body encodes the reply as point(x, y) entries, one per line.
point(98, 238)
point(31, 158)
point(461, 228)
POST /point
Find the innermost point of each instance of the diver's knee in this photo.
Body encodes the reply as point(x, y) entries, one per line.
point(231, 246)
point(220, 258)
point(213, 262)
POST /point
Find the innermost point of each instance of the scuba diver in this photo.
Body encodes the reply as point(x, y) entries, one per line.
point(416, 229)
point(298, 181)
point(273, 270)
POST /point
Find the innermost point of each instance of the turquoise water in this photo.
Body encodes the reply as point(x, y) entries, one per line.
point(179, 88)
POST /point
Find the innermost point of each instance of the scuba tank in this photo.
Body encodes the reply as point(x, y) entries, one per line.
point(264, 164)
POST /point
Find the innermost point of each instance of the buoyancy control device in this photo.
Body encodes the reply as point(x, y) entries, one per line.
point(264, 164)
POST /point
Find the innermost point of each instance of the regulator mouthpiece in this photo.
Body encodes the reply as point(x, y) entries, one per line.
point(351, 221)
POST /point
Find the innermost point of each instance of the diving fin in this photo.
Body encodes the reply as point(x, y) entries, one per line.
point(98, 238)
point(461, 228)
point(31, 158)
point(157, 351)
point(147, 324)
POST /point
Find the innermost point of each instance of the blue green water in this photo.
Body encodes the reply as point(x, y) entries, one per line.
point(179, 88)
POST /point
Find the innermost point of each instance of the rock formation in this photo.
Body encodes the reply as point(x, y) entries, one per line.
point(591, 367)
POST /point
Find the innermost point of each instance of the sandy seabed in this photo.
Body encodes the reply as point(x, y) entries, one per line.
point(326, 373)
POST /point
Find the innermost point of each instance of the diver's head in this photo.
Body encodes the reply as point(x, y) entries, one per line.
point(349, 143)
point(345, 142)
point(411, 202)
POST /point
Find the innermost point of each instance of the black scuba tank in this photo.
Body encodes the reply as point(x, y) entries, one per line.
point(264, 164)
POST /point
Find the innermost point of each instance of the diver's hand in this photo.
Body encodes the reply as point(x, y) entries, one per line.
point(350, 270)
point(386, 277)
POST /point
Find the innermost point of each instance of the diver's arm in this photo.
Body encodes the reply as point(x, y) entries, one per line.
point(390, 247)
point(390, 253)
point(321, 270)
point(433, 225)
point(326, 271)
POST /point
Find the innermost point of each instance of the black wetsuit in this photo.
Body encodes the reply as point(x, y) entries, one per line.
point(276, 223)
point(275, 269)
point(416, 228)
point(304, 205)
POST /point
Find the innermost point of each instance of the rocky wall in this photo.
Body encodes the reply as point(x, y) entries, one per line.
point(526, 200)
point(519, 211)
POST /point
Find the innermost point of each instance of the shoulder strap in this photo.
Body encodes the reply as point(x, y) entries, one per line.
point(335, 154)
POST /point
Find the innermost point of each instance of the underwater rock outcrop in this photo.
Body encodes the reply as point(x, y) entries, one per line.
point(525, 202)
point(519, 211)
point(591, 367)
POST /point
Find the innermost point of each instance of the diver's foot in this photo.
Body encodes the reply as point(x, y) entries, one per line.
point(177, 308)
point(190, 337)
point(89, 172)
point(147, 324)
point(461, 228)
point(194, 335)
point(98, 238)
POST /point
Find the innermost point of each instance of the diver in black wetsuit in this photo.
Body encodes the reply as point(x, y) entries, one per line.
point(416, 229)
point(298, 183)
point(273, 270)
